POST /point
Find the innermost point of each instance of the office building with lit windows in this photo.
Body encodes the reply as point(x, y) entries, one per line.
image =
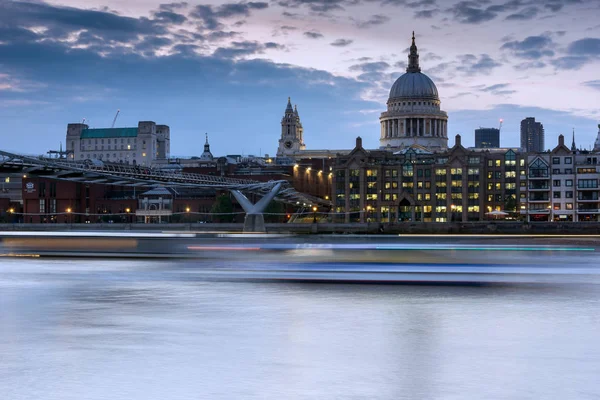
point(416, 184)
point(486, 138)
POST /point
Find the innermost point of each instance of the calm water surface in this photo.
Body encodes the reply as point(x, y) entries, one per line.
point(156, 330)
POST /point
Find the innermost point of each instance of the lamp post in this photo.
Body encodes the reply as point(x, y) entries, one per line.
point(314, 214)
point(187, 216)
point(69, 216)
point(369, 213)
point(127, 211)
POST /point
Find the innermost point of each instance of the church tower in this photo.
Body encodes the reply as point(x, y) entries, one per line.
point(206, 155)
point(292, 139)
point(597, 142)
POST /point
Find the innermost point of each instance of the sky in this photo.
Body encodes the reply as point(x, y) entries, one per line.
point(227, 68)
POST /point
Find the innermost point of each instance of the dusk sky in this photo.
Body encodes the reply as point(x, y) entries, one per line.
point(227, 69)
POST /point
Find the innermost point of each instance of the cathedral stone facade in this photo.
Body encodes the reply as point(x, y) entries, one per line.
point(413, 113)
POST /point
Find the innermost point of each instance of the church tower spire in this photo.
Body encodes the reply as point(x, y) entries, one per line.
point(413, 57)
point(573, 147)
point(292, 139)
point(597, 142)
point(206, 155)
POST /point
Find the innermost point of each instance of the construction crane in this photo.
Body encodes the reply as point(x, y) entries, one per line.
point(115, 119)
point(500, 127)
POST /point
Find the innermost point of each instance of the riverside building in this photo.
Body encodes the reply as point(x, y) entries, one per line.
point(142, 145)
point(416, 184)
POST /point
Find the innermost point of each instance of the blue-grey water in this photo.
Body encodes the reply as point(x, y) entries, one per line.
point(75, 329)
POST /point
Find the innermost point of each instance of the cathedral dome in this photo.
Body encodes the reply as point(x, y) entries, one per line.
point(414, 85)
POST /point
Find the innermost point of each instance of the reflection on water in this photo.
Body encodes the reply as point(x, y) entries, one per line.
point(151, 330)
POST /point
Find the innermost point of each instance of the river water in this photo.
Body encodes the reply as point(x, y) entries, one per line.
point(73, 329)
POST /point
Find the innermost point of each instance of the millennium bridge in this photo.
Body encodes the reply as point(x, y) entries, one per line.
point(149, 177)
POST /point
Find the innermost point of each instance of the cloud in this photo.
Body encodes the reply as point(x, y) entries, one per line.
point(211, 16)
point(318, 6)
point(370, 67)
point(532, 47)
point(421, 3)
point(579, 53)
point(530, 65)
point(467, 12)
point(426, 14)
point(173, 6)
point(313, 35)
point(471, 65)
point(60, 22)
point(245, 48)
point(170, 17)
point(585, 47)
point(500, 89)
point(524, 15)
point(593, 84)
point(342, 42)
point(373, 21)
point(493, 88)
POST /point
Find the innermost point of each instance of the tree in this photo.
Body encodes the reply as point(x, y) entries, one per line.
point(275, 212)
point(223, 207)
point(510, 204)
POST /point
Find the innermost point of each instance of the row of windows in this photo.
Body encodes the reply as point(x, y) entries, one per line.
point(567, 160)
point(82, 148)
point(108, 141)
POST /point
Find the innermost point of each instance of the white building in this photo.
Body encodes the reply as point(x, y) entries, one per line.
point(143, 145)
point(561, 185)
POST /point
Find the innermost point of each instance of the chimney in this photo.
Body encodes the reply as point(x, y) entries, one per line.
point(457, 141)
point(359, 142)
point(561, 140)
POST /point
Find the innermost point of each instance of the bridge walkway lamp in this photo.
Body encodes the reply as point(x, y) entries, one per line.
point(314, 214)
point(127, 211)
point(187, 216)
point(70, 220)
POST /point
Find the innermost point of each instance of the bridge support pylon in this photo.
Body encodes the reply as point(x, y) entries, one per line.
point(255, 220)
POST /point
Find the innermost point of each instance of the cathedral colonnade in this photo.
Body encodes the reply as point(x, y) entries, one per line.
point(413, 127)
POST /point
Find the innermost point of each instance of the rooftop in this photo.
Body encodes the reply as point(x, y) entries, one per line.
point(103, 133)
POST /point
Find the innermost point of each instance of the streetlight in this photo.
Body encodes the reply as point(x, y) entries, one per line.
point(69, 215)
point(127, 211)
point(187, 215)
point(314, 214)
point(368, 213)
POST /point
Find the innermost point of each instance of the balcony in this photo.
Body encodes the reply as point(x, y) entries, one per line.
point(539, 187)
point(583, 197)
point(539, 211)
point(587, 189)
point(541, 197)
point(538, 174)
point(588, 211)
